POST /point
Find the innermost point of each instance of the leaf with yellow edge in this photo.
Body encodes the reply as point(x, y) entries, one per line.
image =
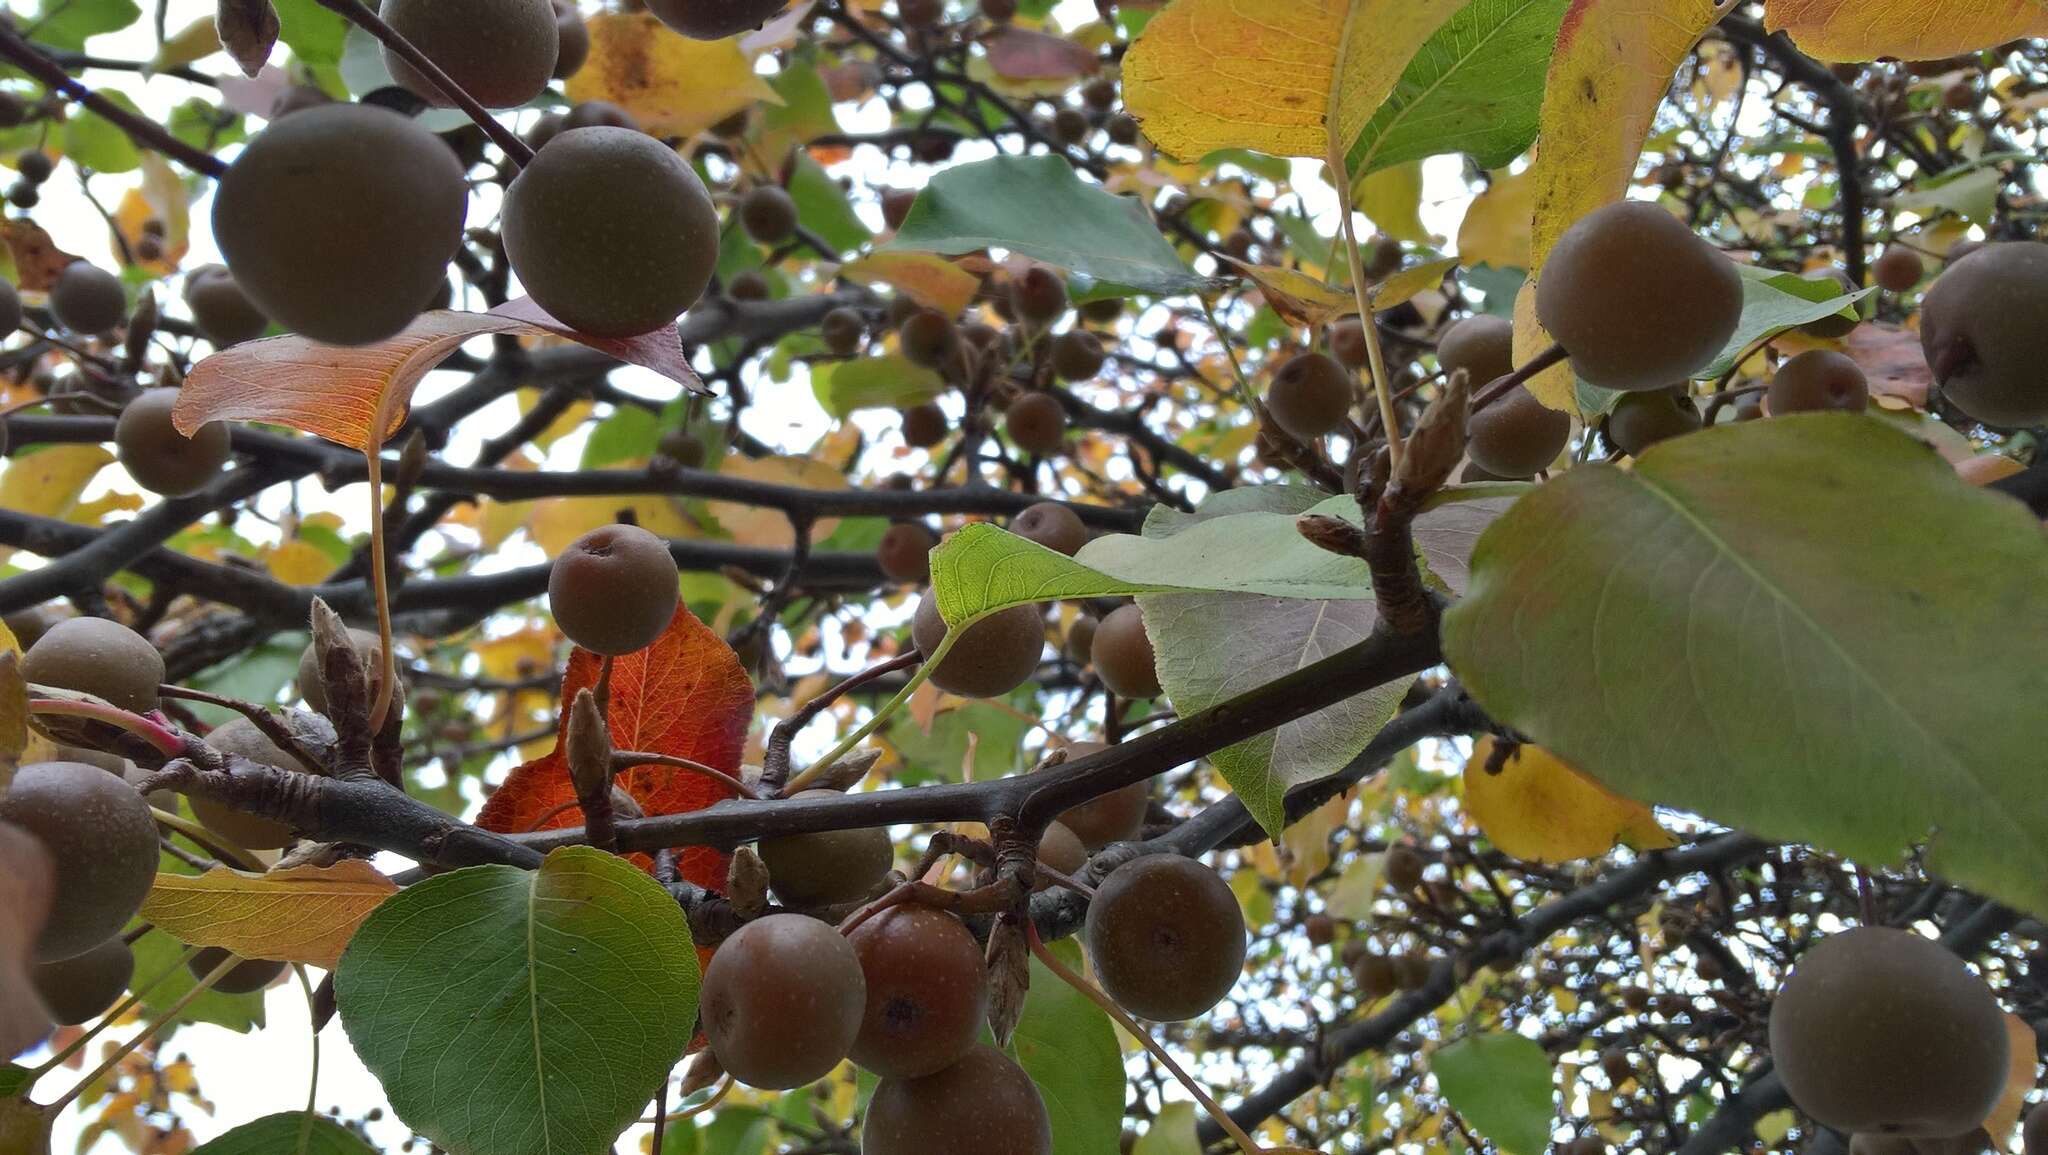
point(298, 563)
point(927, 278)
point(304, 914)
point(1913, 29)
point(48, 481)
point(1541, 810)
point(1288, 79)
point(1495, 230)
point(1392, 199)
point(673, 85)
point(1298, 298)
point(763, 528)
point(357, 395)
point(1404, 285)
point(1613, 62)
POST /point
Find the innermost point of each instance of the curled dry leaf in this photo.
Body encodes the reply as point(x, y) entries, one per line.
point(357, 395)
point(248, 30)
point(26, 878)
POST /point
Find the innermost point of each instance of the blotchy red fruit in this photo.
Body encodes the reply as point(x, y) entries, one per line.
point(83, 986)
point(927, 991)
point(613, 591)
point(984, 1104)
point(1166, 937)
point(996, 654)
point(502, 52)
point(905, 552)
point(1482, 345)
point(102, 842)
point(1883, 1031)
point(366, 196)
point(99, 657)
point(1818, 379)
point(783, 1000)
point(1310, 395)
point(1517, 435)
point(611, 231)
point(161, 459)
point(1636, 298)
point(826, 867)
point(1123, 655)
point(1052, 525)
point(714, 19)
point(1113, 817)
point(1984, 329)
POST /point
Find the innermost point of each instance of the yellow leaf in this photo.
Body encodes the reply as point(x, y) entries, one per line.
point(1307, 842)
point(518, 656)
point(674, 85)
point(767, 528)
point(562, 426)
point(1775, 1125)
point(299, 563)
point(305, 914)
point(927, 278)
point(555, 522)
point(1406, 284)
point(1539, 809)
point(163, 198)
point(1495, 230)
point(96, 511)
point(1913, 29)
point(1392, 198)
point(196, 41)
point(48, 481)
point(1613, 62)
point(1288, 79)
point(1299, 298)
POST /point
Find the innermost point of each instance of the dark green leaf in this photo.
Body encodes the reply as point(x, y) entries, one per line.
point(516, 1012)
point(15, 1080)
point(940, 754)
point(1474, 87)
point(822, 207)
point(1501, 1085)
point(289, 1133)
point(1068, 1046)
point(628, 434)
point(1036, 206)
point(1806, 627)
point(1773, 302)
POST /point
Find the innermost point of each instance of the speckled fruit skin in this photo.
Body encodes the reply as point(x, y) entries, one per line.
point(1113, 817)
point(1123, 654)
point(611, 231)
point(927, 991)
point(985, 1104)
point(1166, 937)
point(613, 591)
point(826, 867)
point(1482, 345)
point(782, 1001)
point(502, 52)
point(1051, 525)
point(159, 457)
point(1517, 435)
point(99, 657)
point(714, 19)
point(1984, 328)
point(102, 842)
point(993, 657)
point(366, 196)
point(1880, 1030)
point(1636, 298)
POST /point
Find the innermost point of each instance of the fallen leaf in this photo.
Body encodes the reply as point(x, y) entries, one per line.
point(358, 395)
point(303, 914)
point(673, 85)
point(1541, 810)
point(26, 878)
point(1022, 54)
point(927, 278)
point(685, 696)
point(1913, 29)
point(765, 528)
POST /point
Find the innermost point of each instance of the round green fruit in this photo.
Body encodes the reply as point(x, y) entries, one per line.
point(994, 656)
point(1123, 655)
point(1310, 395)
point(1482, 345)
point(221, 309)
point(161, 459)
point(1984, 329)
point(99, 657)
point(1517, 435)
point(1818, 380)
point(827, 867)
point(88, 299)
point(501, 52)
point(85, 985)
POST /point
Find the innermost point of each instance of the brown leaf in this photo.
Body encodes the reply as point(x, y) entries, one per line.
point(37, 259)
point(1021, 54)
point(357, 395)
point(1892, 360)
point(26, 878)
point(1009, 977)
point(248, 30)
point(746, 883)
point(304, 914)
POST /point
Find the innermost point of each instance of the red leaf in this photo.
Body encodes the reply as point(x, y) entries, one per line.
point(1021, 54)
point(685, 696)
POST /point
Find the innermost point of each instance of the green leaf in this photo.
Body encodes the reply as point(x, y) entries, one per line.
point(156, 954)
point(1172, 1132)
point(1500, 1084)
point(258, 675)
point(1273, 168)
point(938, 756)
point(289, 1133)
point(1971, 195)
point(1036, 206)
point(890, 381)
point(1164, 521)
point(628, 433)
point(314, 34)
point(515, 1012)
point(1773, 302)
point(805, 111)
point(1834, 635)
point(15, 1080)
point(1357, 888)
point(1474, 87)
point(822, 207)
point(97, 143)
point(66, 24)
point(1068, 1047)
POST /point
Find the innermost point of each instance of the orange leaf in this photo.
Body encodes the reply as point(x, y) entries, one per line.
point(357, 395)
point(37, 259)
point(685, 696)
point(927, 278)
point(1914, 29)
point(305, 914)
